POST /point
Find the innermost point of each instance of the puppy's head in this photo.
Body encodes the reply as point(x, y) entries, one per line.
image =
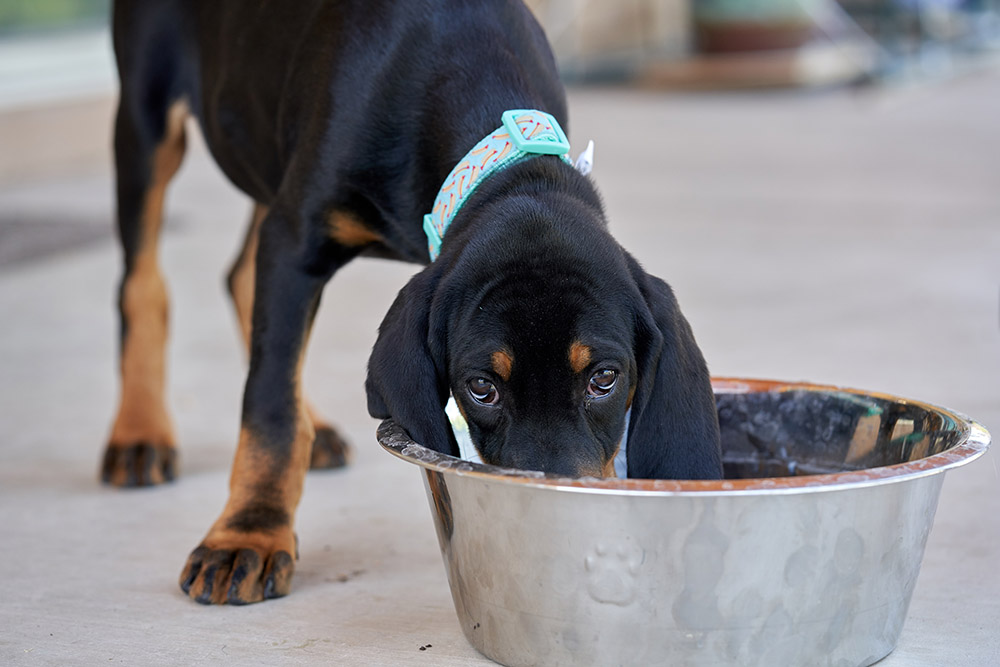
point(546, 345)
point(542, 366)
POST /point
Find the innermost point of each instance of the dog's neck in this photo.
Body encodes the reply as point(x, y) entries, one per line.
point(523, 134)
point(526, 210)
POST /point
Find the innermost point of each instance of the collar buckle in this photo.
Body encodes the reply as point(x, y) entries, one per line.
point(534, 131)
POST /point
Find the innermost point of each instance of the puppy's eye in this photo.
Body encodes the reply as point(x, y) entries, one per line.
point(483, 391)
point(602, 382)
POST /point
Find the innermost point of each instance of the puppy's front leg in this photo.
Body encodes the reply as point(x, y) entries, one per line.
point(248, 554)
point(329, 449)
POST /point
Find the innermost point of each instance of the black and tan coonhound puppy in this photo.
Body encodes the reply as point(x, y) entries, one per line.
point(341, 120)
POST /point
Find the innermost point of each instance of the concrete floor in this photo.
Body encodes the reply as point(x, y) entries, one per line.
point(833, 237)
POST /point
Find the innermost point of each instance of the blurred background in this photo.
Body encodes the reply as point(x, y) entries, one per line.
point(57, 79)
point(764, 43)
point(818, 180)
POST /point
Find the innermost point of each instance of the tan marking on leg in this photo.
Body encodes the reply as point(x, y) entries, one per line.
point(252, 469)
point(259, 480)
point(142, 415)
point(579, 356)
point(243, 275)
point(503, 364)
point(348, 230)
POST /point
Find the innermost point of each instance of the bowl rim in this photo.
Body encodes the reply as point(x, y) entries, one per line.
point(973, 443)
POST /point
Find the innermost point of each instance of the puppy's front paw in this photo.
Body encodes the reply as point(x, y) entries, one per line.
point(138, 464)
point(240, 571)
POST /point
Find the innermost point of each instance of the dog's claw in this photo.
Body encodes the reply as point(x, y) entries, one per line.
point(193, 567)
point(139, 464)
point(236, 576)
point(279, 577)
point(245, 581)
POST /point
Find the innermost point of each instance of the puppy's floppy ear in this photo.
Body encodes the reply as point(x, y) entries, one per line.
point(407, 371)
point(674, 427)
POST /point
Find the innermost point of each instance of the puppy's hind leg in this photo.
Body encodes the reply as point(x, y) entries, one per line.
point(329, 450)
point(149, 147)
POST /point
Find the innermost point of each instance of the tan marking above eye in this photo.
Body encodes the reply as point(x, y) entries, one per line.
point(579, 356)
point(502, 362)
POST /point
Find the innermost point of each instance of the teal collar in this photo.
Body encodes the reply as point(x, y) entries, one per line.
point(523, 134)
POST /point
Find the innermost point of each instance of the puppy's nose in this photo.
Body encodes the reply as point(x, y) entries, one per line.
point(553, 459)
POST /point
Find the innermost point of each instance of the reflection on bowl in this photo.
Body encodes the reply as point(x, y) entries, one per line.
point(806, 554)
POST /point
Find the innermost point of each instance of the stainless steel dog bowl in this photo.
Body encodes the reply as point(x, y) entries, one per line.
point(807, 554)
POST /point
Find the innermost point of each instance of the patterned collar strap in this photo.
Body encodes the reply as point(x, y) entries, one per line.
point(524, 133)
